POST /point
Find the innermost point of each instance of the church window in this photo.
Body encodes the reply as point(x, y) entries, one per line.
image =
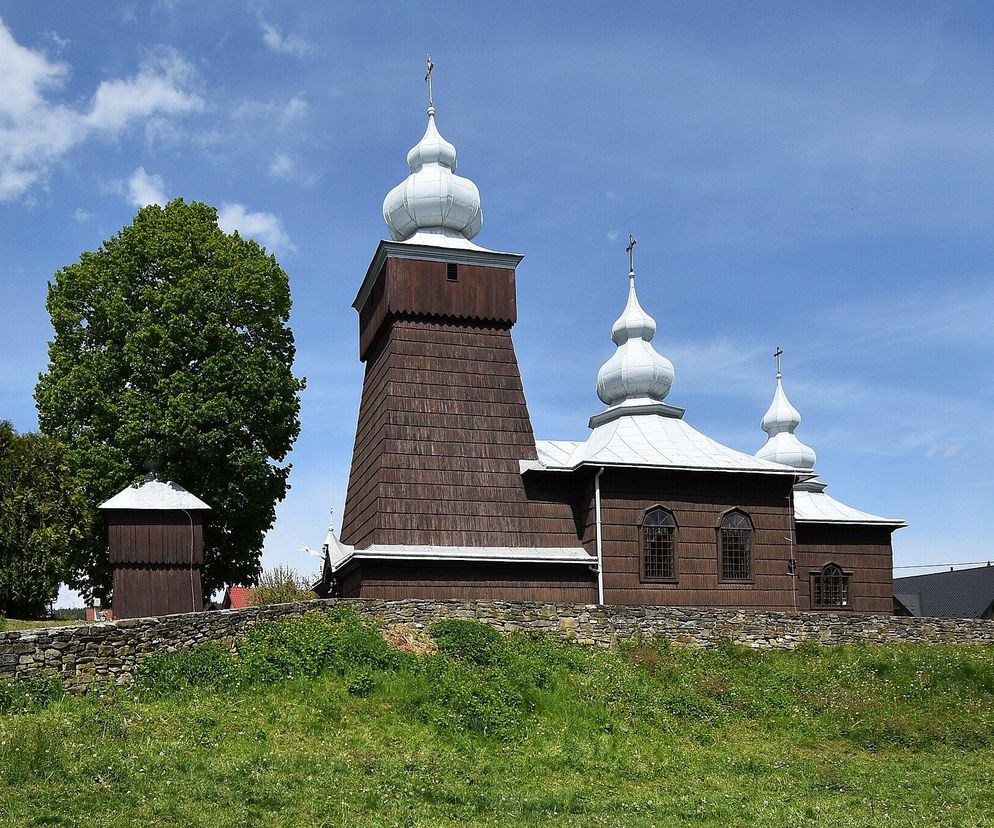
point(735, 547)
point(830, 587)
point(452, 272)
point(659, 546)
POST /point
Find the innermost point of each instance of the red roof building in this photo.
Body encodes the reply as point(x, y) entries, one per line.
point(236, 598)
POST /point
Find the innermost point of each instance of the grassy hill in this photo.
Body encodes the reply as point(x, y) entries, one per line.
point(320, 722)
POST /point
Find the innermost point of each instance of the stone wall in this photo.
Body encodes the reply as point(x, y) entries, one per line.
point(100, 655)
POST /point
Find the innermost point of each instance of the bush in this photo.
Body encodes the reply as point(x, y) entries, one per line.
point(464, 698)
point(467, 641)
point(206, 666)
point(272, 651)
point(280, 585)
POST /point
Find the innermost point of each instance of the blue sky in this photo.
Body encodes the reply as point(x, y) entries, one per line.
point(818, 176)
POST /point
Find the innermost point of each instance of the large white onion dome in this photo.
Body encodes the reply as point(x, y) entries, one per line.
point(433, 199)
point(779, 422)
point(635, 371)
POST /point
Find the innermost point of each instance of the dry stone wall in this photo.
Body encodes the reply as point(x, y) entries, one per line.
point(101, 655)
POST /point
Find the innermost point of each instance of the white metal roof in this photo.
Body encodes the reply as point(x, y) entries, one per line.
point(818, 507)
point(154, 494)
point(501, 554)
point(648, 441)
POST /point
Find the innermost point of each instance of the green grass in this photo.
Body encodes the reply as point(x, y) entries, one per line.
point(10, 624)
point(319, 723)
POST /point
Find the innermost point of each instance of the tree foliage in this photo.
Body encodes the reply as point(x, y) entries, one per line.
point(42, 522)
point(172, 344)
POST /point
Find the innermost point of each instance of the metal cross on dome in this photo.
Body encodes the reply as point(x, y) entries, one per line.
point(630, 250)
point(428, 80)
point(776, 355)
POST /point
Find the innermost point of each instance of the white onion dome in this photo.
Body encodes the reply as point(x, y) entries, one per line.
point(782, 446)
point(635, 371)
point(433, 199)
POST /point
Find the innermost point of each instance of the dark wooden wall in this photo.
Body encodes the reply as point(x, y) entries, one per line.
point(418, 288)
point(697, 501)
point(864, 550)
point(567, 583)
point(442, 420)
point(154, 536)
point(156, 557)
point(140, 591)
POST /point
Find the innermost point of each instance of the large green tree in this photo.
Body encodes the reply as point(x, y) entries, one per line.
point(172, 345)
point(43, 522)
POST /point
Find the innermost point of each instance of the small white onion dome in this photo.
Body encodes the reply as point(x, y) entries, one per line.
point(433, 199)
point(636, 370)
point(779, 423)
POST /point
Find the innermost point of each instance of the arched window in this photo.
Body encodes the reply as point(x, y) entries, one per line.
point(659, 546)
point(735, 547)
point(830, 587)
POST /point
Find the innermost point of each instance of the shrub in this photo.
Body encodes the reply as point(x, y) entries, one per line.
point(206, 666)
point(464, 698)
point(280, 585)
point(313, 644)
point(467, 641)
point(360, 683)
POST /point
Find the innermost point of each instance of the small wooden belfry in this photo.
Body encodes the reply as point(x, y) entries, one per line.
point(156, 546)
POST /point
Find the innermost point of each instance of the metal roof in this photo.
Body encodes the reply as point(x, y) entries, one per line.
point(500, 554)
point(963, 593)
point(818, 507)
point(649, 441)
point(154, 494)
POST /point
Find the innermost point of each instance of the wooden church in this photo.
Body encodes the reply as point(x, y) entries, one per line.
point(451, 496)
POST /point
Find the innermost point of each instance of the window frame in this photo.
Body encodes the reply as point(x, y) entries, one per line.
point(750, 579)
point(845, 576)
point(649, 579)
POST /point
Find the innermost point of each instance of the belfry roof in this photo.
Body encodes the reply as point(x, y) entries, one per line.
point(155, 495)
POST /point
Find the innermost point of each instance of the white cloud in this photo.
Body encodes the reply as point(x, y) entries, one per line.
point(162, 85)
point(283, 166)
point(144, 189)
point(285, 44)
point(36, 132)
point(81, 216)
point(264, 227)
point(60, 42)
point(283, 113)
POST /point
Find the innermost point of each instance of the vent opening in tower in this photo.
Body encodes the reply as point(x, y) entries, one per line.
point(452, 272)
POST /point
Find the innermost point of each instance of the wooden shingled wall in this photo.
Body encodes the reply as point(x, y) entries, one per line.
point(865, 551)
point(443, 422)
point(697, 501)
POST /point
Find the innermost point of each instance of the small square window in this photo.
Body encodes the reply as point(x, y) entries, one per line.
point(452, 272)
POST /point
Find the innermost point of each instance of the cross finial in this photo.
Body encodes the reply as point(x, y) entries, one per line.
point(630, 250)
point(776, 355)
point(431, 102)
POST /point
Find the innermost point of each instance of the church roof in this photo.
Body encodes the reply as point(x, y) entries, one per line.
point(154, 494)
point(433, 201)
point(340, 554)
point(638, 429)
point(818, 507)
point(648, 440)
point(779, 422)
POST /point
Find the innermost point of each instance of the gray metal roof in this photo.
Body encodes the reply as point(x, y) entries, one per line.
point(155, 495)
point(340, 554)
point(649, 441)
point(818, 507)
point(963, 593)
